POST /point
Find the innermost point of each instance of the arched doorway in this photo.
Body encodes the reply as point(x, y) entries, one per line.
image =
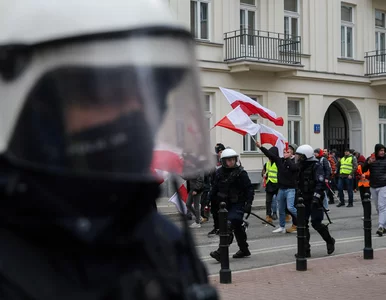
point(342, 126)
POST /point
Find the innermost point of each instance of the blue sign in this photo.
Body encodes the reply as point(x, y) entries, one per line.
point(316, 128)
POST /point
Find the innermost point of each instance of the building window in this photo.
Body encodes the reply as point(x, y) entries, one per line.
point(248, 143)
point(347, 31)
point(247, 21)
point(294, 122)
point(380, 35)
point(382, 124)
point(199, 18)
point(291, 21)
point(208, 110)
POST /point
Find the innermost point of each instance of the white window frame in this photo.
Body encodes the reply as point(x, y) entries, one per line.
point(198, 19)
point(382, 126)
point(247, 41)
point(208, 114)
point(291, 123)
point(346, 25)
point(292, 15)
point(378, 32)
point(246, 138)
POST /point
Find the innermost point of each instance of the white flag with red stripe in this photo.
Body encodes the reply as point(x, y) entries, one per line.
point(237, 120)
point(167, 161)
point(250, 106)
point(183, 193)
point(272, 137)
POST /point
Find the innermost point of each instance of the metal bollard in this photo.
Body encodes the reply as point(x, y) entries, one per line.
point(225, 272)
point(301, 260)
point(367, 250)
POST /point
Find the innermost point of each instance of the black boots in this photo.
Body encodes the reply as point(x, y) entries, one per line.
point(242, 253)
point(215, 254)
point(325, 234)
point(239, 254)
point(331, 246)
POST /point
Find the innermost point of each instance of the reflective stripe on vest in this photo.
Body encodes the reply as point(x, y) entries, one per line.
point(272, 172)
point(346, 165)
point(363, 181)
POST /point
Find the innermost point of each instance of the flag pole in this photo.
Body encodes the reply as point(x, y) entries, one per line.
point(252, 138)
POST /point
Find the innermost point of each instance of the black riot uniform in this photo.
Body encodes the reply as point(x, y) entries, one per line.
point(86, 127)
point(233, 186)
point(311, 188)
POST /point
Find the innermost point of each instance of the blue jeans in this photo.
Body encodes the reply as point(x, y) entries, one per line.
point(286, 198)
point(345, 181)
point(274, 204)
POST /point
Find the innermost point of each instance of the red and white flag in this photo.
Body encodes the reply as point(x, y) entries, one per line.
point(237, 120)
point(183, 193)
point(167, 159)
point(250, 106)
point(272, 137)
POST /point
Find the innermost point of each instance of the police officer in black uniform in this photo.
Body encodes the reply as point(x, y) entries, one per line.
point(311, 187)
point(233, 186)
point(84, 104)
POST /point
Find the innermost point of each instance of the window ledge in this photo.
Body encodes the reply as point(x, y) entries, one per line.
point(252, 153)
point(350, 60)
point(208, 43)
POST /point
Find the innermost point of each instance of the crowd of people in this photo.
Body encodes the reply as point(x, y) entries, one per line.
point(315, 174)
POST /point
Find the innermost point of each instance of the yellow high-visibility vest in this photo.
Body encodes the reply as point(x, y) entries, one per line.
point(271, 172)
point(346, 165)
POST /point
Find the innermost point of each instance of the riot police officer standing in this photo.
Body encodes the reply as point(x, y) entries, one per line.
point(311, 187)
point(233, 186)
point(88, 91)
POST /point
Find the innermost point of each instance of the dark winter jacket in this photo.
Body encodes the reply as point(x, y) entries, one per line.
point(326, 167)
point(196, 184)
point(317, 178)
point(240, 184)
point(287, 168)
point(377, 168)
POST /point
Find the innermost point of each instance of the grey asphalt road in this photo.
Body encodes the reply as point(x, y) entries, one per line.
point(269, 248)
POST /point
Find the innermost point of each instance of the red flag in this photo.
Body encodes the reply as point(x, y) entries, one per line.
point(167, 160)
point(250, 107)
point(272, 137)
point(237, 120)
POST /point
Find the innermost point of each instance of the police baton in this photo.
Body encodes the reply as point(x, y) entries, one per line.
point(332, 192)
point(328, 217)
point(260, 218)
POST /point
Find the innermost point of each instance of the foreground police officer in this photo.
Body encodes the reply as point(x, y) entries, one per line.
point(233, 186)
point(88, 89)
point(311, 188)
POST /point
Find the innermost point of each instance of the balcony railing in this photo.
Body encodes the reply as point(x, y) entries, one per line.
point(262, 46)
point(375, 63)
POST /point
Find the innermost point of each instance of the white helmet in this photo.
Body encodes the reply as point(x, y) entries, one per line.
point(89, 87)
point(228, 153)
point(305, 150)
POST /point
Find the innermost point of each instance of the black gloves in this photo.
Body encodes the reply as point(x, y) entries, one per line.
point(248, 209)
point(317, 199)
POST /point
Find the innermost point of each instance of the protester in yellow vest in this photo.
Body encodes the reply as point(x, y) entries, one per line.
point(346, 167)
point(271, 187)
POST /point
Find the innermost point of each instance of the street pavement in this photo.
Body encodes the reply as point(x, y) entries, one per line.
point(270, 270)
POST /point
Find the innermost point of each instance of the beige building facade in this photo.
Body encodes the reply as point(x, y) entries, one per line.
point(320, 64)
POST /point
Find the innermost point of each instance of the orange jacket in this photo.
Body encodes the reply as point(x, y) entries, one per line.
point(363, 177)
